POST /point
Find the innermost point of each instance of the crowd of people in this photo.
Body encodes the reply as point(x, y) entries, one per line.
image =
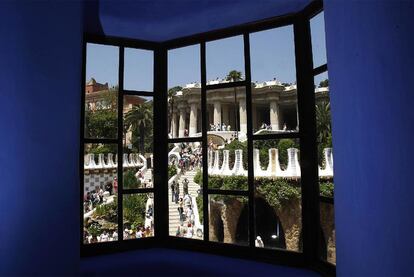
point(104, 237)
point(97, 197)
point(137, 233)
point(191, 158)
point(220, 127)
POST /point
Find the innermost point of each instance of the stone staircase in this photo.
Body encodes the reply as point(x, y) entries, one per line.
point(174, 217)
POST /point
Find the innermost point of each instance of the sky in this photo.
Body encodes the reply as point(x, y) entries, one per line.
point(272, 56)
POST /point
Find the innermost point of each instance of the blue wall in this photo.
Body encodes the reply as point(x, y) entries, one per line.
point(371, 60)
point(40, 57)
point(371, 68)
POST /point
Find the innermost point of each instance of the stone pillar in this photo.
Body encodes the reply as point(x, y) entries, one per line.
point(226, 114)
point(217, 113)
point(297, 117)
point(243, 115)
point(254, 116)
point(174, 125)
point(181, 127)
point(274, 115)
point(193, 119)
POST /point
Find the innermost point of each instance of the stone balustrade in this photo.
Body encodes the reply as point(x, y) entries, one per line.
point(132, 160)
point(218, 166)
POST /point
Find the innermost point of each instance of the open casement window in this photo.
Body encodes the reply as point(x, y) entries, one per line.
point(219, 142)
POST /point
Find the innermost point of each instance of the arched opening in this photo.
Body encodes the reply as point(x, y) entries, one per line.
point(268, 225)
point(219, 230)
point(242, 230)
point(323, 250)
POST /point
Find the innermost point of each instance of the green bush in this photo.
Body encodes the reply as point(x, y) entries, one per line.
point(227, 182)
point(326, 189)
point(278, 192)
point(199, 201)
point(172, 170)
point(198, 178)
point(107, 211)
point(134, 209)
point(130, 181)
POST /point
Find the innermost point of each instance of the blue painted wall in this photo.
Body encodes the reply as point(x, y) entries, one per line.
point(40, 58)
point(370, 56)
point(371, 61)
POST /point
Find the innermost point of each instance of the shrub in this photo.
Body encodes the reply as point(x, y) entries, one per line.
point(172, 170)
point(199, 201)
point(130, 181)
point(134, 209)
point(278, 192)
point(326, 189)
point(198, 178)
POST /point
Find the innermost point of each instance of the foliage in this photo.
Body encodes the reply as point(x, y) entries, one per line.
point(326, 189)
point(134, 209)
point(107, 211)
point(234, 76)
point(323, 127)
point(324, 83)
point(172, 170)
point(235, 145)
point(140, 121)
point(199, 201)
point(94, 229)
point(102, 149)
point(283, 145)
point(278, 192)
point(101, 124)
point(198, 177)
point(227, 182)
point(130, 181)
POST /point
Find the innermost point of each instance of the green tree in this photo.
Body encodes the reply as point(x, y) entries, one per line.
point(324, 83)
point(234, 76)
point(138, 119)
point(323, 127)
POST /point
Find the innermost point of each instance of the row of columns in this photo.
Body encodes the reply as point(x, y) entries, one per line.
point(219, 111)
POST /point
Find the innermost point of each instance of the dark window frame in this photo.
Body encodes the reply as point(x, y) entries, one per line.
point(309, 256)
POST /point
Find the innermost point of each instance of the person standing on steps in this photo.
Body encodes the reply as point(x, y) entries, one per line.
point(177, 192)
point(172, 191)
point(185, 186)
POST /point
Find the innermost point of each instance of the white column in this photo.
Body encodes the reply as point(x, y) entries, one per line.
point(243, 115)
point(217, 113)
point(226, 114)
point(297, 116)
point(193, 119)
point(274, 115)
point(174, 125)
point(181, 126)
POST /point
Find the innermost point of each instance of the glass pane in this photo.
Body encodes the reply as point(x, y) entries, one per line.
point(185, 182)
point(184, 93)
point(227, 138)
point(138, 142)
point(274, 93)
point(101, 91)
point(225, 60)
point(317, 25)
point(278, 215)
point(138, 69)
point(327, 244)
point(138, 215)
point(229, 219)
point(100, 210)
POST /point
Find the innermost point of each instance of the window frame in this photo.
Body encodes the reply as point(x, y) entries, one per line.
point(305, 72)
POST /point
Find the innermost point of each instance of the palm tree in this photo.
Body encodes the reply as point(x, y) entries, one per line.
point(234, 76)
point(323, 121)
point(138, 118)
